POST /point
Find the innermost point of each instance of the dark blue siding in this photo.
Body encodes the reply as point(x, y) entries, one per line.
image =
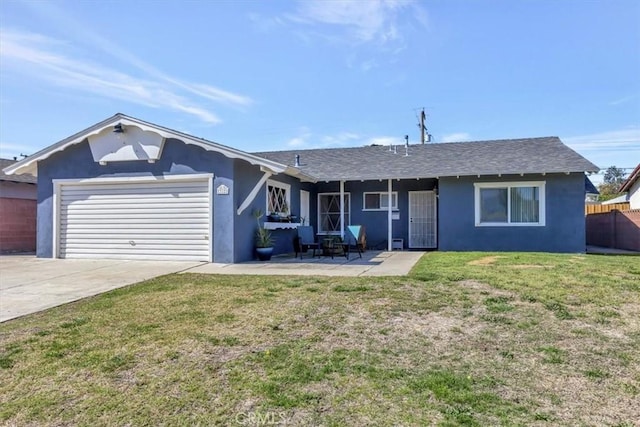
point(564, 230)
point(177, 159)
point(246, 178)
point(376, 221)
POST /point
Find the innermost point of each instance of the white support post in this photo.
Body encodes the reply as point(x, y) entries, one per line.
point(390, 216)
point(254, 192)
point(342, 209)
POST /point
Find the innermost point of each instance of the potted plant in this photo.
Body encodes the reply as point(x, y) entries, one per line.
point(264, 240)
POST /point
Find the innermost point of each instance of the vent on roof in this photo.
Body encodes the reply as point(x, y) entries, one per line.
point(297, 164)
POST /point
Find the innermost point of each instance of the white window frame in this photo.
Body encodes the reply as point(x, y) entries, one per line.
point(336, 232)
point(278, 184)
point(394, 198)
point(508, 186)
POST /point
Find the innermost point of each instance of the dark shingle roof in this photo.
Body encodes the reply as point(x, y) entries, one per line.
point(589, 188)
point(508, 156)
point(30, 179)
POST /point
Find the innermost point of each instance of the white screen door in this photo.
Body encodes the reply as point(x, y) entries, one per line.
point(423, 223)
point(304, 207)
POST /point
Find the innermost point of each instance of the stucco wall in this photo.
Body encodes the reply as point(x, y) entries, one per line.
point(177, 159)
point(565, 224)
point(246, 178)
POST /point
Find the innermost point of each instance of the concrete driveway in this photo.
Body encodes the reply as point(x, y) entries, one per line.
point(29, 284)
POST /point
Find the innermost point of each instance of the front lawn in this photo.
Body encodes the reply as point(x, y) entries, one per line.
point(465, 339)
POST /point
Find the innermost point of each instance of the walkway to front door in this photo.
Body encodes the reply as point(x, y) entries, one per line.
point(372, 263)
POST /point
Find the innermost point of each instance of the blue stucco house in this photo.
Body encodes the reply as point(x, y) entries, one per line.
point(126, 188)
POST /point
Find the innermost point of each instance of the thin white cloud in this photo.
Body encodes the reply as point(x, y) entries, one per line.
point(34, 54)
point(90, 37)
point(307, 139)
point(623, 100)
point(47, 59)
point(617, 140)
point(301, 140)
point(456, 137)
point(362, 21)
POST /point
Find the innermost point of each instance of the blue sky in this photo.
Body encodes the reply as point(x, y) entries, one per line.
point(269, 75)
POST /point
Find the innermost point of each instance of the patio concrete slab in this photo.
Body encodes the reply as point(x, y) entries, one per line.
point(29, 284)
point(372, 263)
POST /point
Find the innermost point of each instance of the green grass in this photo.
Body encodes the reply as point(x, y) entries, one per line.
point(467, 339)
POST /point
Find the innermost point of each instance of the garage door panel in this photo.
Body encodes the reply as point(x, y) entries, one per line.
point(71, 225)
point(127, 197)
point(121, 186)
point(135, 220)
point(129, 222)
point(155, 257)
point(115, 215)
point(167, 235)
point(175, 210)
point(127, 249)
point(144, 240)
point(137, 204)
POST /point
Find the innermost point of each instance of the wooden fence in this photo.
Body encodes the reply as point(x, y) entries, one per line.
point(592, 209)
point(615, 229)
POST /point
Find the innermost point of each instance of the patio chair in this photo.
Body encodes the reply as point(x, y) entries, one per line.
point(306, 240)
point(355, 237)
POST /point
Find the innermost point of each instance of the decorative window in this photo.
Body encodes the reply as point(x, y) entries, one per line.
point(510, 203)
point(379, 201)
point(278, 197)
point(329, 212)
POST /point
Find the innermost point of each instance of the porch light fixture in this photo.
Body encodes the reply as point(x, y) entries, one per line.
point(118, 128)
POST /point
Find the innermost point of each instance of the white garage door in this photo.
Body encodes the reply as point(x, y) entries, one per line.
point(156, 220)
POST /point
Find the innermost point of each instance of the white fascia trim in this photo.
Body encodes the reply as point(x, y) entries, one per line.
point(29, 164)
point(542, 207)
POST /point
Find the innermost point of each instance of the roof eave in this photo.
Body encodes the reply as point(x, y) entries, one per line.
point(628, 183)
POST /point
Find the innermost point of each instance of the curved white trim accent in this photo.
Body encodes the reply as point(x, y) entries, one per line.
point(29, 164)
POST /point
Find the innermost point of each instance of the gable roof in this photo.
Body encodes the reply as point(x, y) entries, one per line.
point(508, 156)
point(589, 188)
point(631, 179)
point(29, 164)
point(26, 178)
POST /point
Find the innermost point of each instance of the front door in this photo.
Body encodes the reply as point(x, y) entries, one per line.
point(423, 220)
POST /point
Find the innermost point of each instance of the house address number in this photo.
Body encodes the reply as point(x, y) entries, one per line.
point(222, 189)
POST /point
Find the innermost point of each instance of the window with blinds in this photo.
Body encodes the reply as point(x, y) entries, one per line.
point(504, 203)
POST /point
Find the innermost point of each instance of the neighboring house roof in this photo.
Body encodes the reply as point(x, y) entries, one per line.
point(509, 156)
point(620, 199)
point(589, 188)
point(26, 178)
point(28, 165)
point(631, 179)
